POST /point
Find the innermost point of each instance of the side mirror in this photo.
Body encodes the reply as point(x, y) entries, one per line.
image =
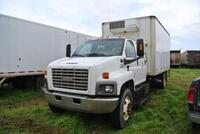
point(68, 50)
point(140, 47)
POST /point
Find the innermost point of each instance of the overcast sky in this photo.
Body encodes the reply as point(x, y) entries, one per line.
point(180, 17)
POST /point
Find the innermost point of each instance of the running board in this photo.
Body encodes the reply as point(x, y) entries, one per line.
point(144, 100)
point(142, 85)
point(146, 88)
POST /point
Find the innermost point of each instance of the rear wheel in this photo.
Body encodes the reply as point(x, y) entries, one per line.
point(40, 82)
point(22, 82)
point(30, 82)
point(123, 112)
point(55, 109)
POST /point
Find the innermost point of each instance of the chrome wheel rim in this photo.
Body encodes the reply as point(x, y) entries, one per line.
point(42, 85)
point(164, 81)
point(127, 108)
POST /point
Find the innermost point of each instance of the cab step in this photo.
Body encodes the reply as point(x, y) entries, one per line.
point(142, 92)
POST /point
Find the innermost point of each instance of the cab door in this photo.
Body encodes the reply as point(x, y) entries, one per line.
point(137, 65)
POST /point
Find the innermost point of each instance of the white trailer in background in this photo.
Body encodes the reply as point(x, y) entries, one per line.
point(155, 36)
point(26, 48)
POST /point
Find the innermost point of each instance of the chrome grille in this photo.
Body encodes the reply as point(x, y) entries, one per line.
point(76, 79)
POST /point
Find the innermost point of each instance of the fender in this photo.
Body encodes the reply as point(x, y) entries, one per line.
point(121, 77)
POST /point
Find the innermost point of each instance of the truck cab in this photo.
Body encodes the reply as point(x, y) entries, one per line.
point(107, 75)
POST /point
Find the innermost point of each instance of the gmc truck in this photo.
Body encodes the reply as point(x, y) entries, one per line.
point(111, 74)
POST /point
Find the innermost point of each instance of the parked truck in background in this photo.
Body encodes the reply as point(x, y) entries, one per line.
point(190, 58)
point(175, 58)
point(111, 74)
point(26, 48)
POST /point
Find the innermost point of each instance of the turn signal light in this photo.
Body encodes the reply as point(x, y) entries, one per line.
point(105, 75)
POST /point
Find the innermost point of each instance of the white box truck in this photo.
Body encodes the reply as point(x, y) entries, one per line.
point(111, 74)
point(156, 40)
point(26, 48)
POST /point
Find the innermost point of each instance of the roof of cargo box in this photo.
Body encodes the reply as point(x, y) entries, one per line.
point(152, 16)
point(42, 24)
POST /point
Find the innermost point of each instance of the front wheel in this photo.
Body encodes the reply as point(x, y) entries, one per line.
point(123, 112)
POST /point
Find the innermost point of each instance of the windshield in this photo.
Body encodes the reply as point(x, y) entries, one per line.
point(100, 48)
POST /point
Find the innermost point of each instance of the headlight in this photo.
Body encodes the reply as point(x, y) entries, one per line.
point(109, 89)
point(106, 89)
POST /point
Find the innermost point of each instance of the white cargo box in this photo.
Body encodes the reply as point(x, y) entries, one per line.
point(26, 48)
point(156, 38)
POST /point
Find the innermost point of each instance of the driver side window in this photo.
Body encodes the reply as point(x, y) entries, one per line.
point(130, 50)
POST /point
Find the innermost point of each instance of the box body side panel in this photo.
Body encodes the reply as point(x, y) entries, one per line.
point(156, 39)
point(26, 46)
point(162, 49)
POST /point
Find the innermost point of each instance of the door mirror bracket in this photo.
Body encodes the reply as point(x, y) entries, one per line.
point(68, 50)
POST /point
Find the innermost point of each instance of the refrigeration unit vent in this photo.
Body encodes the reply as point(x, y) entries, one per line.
point(117, 24)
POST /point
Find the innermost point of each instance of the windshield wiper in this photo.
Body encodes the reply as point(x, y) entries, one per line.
point(91, 55)
point(95, 54)
point(78, 55)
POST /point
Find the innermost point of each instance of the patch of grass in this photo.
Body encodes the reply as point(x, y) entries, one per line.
point(10, 130)
point(165, 112)
point(10, 96)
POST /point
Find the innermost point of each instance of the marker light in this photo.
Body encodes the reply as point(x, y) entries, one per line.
point(105, 75)
point(141, 47)
point(45, 72)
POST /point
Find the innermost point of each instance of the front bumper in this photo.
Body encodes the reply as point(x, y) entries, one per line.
point(194, 117)
point(81, 103)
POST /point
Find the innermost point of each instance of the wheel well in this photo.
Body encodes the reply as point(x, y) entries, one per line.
point(129, 83)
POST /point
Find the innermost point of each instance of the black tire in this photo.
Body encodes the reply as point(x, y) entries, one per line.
point(119, 118)
point(40, 83)
point(20, 83)
point(30, 82)
point(195, 125)
point(55, 109)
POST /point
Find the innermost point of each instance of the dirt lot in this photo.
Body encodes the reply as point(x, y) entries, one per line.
point(25, 111)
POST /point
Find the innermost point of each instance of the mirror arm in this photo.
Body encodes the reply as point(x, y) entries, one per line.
point(68, 50)
point(130, 61)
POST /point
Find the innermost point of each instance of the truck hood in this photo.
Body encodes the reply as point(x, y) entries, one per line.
point(95, 65)
point(81, 61)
